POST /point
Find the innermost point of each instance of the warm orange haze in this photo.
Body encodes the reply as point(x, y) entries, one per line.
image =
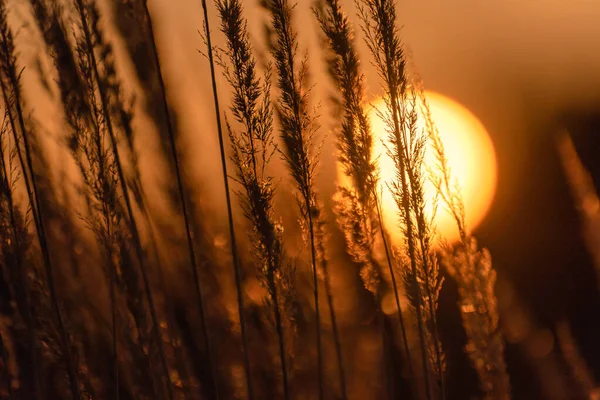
point(471, 158)
point(299, 200)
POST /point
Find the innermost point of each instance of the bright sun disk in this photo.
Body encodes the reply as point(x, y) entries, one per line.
point(471, 158)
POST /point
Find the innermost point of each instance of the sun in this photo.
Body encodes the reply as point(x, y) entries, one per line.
point(471, 158)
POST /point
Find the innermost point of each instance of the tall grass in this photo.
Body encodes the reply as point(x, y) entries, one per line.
point(184, 209)
point(472, 270)
point(232, 238)
point(405, 148)
point(11, 93)
point(428, 266)
point(298, 127)
point(358, 207)
point(108, 84)
point(253, 148)
point(15, 243)
point(97, 166)
point(89, 144)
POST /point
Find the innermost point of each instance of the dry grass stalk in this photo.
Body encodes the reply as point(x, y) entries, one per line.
point(104, 74)
point(405, 148)
point(428, 266)
point(253, 147)
point(358, 206)
point(181, 190)
point(472, 270)
point(11, 91)
point(88, 142)
point(98, 170)
point(298, 127)
point(234, 249)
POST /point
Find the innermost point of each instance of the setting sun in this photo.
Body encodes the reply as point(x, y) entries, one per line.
point(471, 158)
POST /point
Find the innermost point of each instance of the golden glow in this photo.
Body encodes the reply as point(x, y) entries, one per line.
point(471, 158)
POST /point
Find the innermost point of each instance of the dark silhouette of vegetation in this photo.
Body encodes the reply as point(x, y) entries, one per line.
point(181, 190)
point(11, 94)
point(253, 147)
point(232, 238)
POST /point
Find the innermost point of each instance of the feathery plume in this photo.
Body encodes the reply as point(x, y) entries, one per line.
point(428, 265)
point(298, 127)
point(234, 249)
point(357, 207)
point(88, 143)
point(472, 270)
point(404, 146)
point(253, 148)
point(11, 92)
point(103, 73)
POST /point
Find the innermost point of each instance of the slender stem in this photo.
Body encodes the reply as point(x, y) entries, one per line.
point(186, 218)
point(394, 284)
point(246, 86)
point(278, 9)
point(438, 350)
point(280, 333)
point(113, 311)
point(168, 305)
point(334, 324)
point(421, 228)
point(316, 294)
point(412, 252)
point(388, 68)
point(386, 343)
point(271, 278)
point(236, 266)
point(33, 197)
point(336, 336)
point(99, 142)
point(125, 189)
